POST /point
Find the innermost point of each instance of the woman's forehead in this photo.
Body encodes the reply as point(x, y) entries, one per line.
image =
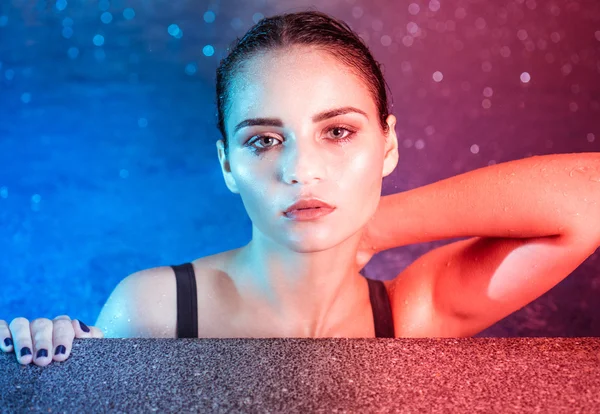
point(305, 82)
point(295, 66)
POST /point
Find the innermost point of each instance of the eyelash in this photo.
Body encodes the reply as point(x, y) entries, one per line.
point(343, 140)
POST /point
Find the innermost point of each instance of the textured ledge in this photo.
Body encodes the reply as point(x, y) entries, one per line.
point(310, 375)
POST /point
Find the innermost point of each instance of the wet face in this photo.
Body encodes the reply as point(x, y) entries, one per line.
point(292, 151)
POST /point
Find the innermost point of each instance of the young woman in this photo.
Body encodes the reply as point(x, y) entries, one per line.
point(307, 138)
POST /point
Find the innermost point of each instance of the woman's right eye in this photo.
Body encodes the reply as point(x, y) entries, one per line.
point(261, 138)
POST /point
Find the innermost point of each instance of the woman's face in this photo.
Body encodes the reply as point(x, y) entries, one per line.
point(340, 160)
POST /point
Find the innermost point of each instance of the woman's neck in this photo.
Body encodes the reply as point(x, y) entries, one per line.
point(309, 289)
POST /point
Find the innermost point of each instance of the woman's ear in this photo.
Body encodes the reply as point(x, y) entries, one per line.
point(390, 160)
point(226, 168)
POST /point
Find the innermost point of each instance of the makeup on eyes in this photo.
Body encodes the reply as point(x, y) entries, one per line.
point(256, 138)
point(322, 116)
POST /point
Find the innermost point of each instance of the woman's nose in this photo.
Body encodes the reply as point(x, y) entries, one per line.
point(303, 165)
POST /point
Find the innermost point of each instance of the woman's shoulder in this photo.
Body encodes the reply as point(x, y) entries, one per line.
point(161, 280)
point(147, 299)
point(137, 306)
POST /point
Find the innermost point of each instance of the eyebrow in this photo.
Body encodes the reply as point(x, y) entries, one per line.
point(276, 122)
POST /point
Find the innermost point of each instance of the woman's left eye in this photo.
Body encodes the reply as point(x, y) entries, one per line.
point(349, 131)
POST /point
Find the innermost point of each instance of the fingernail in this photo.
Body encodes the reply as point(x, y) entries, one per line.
point(60, 350)
point(84, 327)
point(25, 351)
point(42, 353)
point(8, 342)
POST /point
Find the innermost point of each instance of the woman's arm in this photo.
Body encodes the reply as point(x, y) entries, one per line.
point(533, 197)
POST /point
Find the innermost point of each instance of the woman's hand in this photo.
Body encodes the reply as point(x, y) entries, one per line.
point(43, 340)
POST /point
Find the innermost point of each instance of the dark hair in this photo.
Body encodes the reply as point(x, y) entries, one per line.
point(303, 28)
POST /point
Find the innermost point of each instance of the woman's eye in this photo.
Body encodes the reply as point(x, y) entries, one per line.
point(263, 138)
point(267, 139)
point(342, 129)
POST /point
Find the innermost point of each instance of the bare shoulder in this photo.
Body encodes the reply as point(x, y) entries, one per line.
point(144, 304)
point(139, 306)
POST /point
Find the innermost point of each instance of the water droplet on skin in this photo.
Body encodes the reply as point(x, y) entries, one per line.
point(579, 169)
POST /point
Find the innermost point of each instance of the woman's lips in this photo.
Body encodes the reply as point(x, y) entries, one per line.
point(306, 214)
point(308, 202)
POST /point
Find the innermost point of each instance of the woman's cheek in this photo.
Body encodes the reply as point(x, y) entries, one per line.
point(364, 169)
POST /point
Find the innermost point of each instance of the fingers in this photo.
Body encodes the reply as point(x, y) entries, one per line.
point(84, 331)
point(62, 337)
point(97, 333)
point(65, 330)
point(6, 341)
point(41, 334)
point(43, 340)
point(23, 343)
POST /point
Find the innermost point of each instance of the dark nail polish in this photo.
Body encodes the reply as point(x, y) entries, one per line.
point(60, 350)
point(42, 353)
point(25, 351)
point(8, 342)
point(84, 327)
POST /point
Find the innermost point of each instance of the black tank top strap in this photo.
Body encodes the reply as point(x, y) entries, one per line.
point(382, 310)
point(187, 301)
point(187, 304)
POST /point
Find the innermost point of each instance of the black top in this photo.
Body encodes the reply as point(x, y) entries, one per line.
point(187, 304)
